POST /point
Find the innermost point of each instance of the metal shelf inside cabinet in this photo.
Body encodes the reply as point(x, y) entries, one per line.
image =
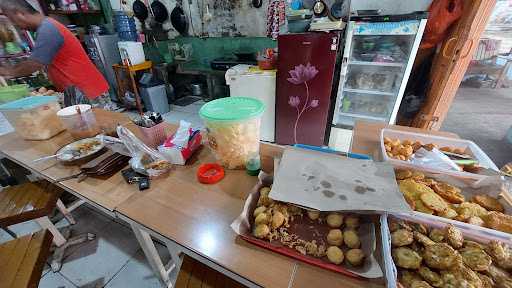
point(363, 116)
point(372, 92)
point(383, 64)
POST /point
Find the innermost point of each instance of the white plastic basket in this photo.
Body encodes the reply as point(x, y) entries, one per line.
point(480, 155)
point(469, 233)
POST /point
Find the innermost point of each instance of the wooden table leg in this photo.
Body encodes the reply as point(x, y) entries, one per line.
point(167, 274)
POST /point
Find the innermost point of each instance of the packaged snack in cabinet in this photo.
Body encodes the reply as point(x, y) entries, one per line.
point(462, 257)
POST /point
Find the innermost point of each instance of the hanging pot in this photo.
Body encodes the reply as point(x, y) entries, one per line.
point(257, 3)
point(140, 10)
point(160, 12)
point(179, 20)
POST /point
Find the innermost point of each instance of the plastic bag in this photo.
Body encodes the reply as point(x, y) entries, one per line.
point(144, 160)
point(434, 158)
point(114, 144)
point(442, 14)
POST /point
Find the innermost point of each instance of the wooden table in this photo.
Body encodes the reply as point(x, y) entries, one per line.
point(193, 218)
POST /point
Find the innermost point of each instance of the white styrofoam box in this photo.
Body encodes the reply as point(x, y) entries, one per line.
point(479, 155)
point(470, 233)
point(133, 50)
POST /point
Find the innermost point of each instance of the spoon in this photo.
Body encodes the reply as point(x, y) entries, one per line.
point(66, 155)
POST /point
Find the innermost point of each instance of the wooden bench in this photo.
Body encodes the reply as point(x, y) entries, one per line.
point(22, 260)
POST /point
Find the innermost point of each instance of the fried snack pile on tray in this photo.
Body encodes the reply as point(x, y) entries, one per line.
point(86, 147)
point(403, 150)
point(273, 219)
point(443, 258)
point(429, 196)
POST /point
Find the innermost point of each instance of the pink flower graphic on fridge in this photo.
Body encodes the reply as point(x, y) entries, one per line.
point(301, 75)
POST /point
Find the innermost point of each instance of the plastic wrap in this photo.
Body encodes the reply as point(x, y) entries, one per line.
point(144, 160)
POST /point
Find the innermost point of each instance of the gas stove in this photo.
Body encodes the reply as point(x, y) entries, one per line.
point(224, 63)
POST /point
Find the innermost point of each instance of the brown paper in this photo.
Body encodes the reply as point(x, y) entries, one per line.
point(332, 183)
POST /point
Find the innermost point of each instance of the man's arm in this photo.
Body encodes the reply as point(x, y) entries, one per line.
point(24, 68)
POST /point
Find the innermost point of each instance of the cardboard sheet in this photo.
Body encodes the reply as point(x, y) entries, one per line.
point(333, 183)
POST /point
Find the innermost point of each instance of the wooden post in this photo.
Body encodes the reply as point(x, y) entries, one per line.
point(451, 62)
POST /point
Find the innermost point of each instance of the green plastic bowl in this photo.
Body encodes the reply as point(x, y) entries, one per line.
point(13, 92)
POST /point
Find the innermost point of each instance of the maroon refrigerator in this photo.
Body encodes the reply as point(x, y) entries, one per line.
point(304, 83)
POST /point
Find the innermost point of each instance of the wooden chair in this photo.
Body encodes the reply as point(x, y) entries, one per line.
point(22, 260)
point(131, 70)
point(35, 201)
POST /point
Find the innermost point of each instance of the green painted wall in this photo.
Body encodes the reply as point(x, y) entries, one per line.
point(208, 49)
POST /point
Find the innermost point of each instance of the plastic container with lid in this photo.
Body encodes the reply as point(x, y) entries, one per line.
point(13, 92)
point(34, 118)
point(80, 125)
point(233, 126)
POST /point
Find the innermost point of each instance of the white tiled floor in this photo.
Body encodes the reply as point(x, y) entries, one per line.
point(113, 259)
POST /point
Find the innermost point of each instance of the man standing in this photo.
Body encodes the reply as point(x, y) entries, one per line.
point(60, 52)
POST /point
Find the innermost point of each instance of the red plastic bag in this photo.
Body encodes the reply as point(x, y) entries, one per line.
point(442, 13)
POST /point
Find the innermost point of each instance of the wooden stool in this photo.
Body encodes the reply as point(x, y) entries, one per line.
point(22, 260)
point(35, 201)
point(194, 274)
point(132, 70)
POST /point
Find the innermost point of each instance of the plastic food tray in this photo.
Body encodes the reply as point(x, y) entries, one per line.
point(480, 155)
point(491, 186)
point(469, 233)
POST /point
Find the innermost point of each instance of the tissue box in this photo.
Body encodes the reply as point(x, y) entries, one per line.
point(179, 155)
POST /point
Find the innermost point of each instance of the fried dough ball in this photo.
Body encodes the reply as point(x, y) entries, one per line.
point(433, 278)
point(437, 235)
point(335, 237)
point(334, 220)
point(277, 219)
point(423, 239)
point(259, 210)
point(355, 257)
point(401, 237)
point(475, 258)
point(352, 221)
point(262, 218)
point(313, 215)
point(351, 239)
point(261, 231)
point(335, 255)
point(441, 256)
point(264, 200)
point(454, 237)
point(406, 258)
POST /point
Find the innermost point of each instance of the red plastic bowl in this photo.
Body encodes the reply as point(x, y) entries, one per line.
point(210, 173)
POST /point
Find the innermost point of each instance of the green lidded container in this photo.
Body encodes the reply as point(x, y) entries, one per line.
point(13, 92)
point(233, 125)
point(232, 109)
